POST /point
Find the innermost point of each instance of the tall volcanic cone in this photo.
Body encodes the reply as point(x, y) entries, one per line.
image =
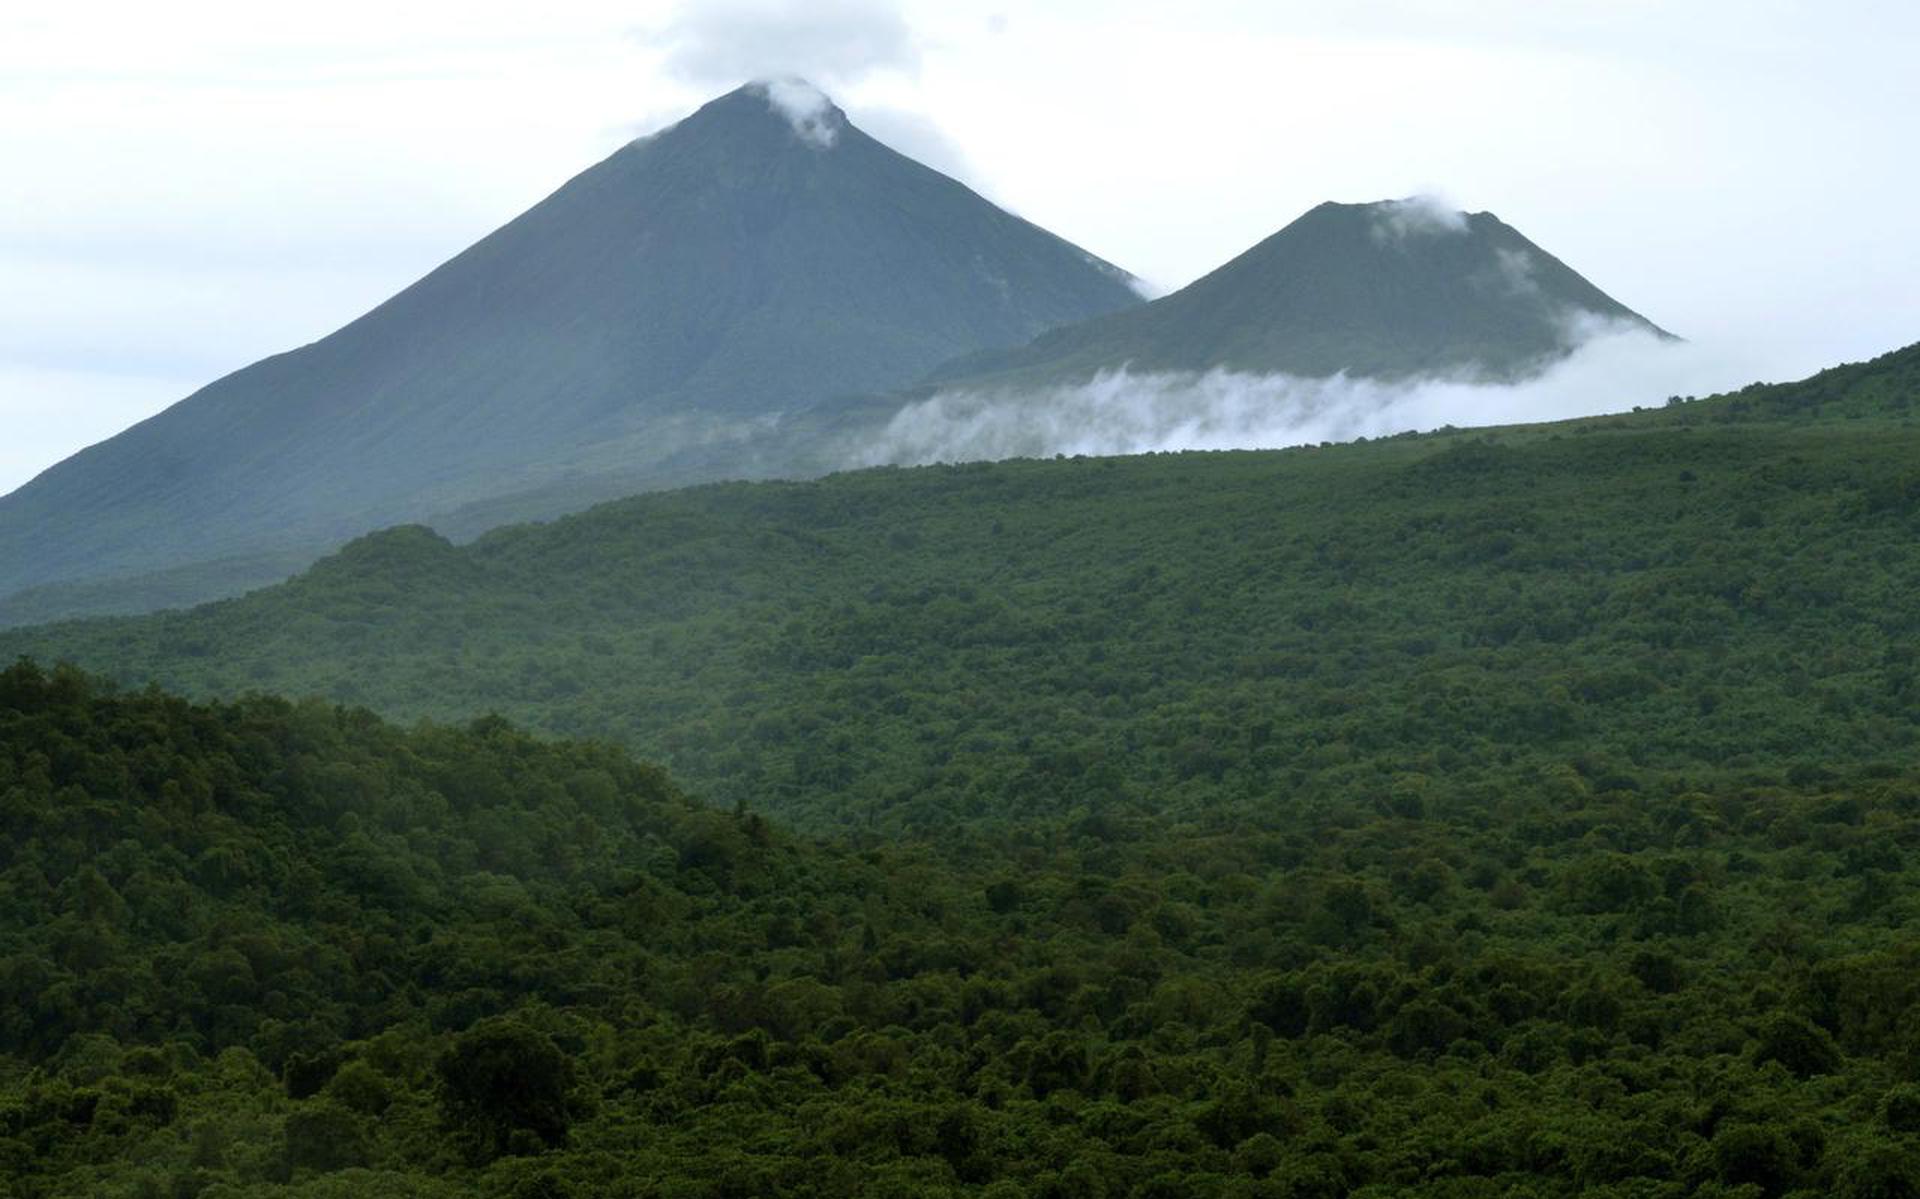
point(760, 257)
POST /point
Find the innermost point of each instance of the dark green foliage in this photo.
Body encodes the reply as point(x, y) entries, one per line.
point(305, 1075)
point(1797, 1044)
point(1760, 1155)
point(1881, 1172)
point(324, 1137)
point(504, 1086)
point(358, 1087)
point(875, 1009)
point(1900, 1109)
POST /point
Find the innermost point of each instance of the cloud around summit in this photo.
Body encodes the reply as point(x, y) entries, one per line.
point(1425, 215)
point(837, 46)
point(832, 43)
point(805, 107)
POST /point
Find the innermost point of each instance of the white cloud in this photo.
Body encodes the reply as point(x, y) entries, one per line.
point(1417, 216)
point(806, 108)
point(864, 54)
point(716, 44)
point(1513, 270)
point(1616, 368)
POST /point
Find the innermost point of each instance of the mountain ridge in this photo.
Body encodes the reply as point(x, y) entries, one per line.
point(1391, 289)
point(724, 268)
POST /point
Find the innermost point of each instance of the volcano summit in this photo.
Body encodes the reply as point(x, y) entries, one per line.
point(760, 257)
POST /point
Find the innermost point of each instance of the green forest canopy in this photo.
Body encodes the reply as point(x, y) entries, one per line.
point(264, 945)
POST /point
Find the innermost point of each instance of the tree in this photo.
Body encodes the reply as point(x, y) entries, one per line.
point(1802, 1047)
point(505, 1087)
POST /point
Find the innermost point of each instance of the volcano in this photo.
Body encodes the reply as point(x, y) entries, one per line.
point(762, 256)
point(1389, 290)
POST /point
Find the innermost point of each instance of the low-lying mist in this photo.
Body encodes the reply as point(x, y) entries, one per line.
point(1615, 368)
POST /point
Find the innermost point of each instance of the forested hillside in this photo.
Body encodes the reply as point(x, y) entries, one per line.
point(1712, 591)
point(1530, 812)
point(278, 949)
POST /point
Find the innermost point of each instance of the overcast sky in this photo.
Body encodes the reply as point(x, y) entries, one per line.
point(190, 186)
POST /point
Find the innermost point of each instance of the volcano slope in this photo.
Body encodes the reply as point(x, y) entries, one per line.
point(673, 299)
point(1391, 290)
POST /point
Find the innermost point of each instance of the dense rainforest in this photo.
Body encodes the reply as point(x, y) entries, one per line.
point(265, 947)
point(1520, 812)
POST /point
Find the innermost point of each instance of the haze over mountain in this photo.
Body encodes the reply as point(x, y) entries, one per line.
point(761, 256)
point(1390, 290)
point(928, 639)
point(1354, 320)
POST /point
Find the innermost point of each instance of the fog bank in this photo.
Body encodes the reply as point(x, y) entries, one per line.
point(1120, 412)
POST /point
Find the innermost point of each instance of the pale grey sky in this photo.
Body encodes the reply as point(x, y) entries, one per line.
point(191, 186)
